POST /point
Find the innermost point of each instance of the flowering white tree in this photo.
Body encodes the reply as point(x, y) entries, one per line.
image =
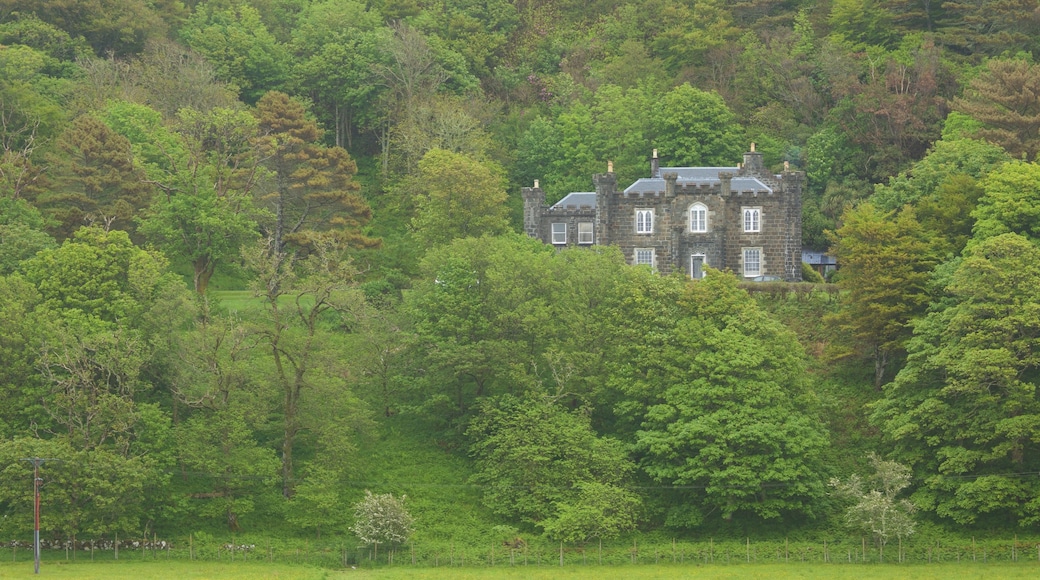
point(382, 519)
point(875, 508)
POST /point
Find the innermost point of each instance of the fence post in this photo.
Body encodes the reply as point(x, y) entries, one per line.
point(561, 553)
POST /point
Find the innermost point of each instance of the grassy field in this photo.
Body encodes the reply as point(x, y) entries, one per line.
point(169, 569)
point(261, 571)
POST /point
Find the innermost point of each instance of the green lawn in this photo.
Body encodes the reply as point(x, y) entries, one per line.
point(168, 569)
point(261, 571)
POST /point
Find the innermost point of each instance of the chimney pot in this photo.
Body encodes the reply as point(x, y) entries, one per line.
point(610, 167)
point(536, 184)
point(752, 146)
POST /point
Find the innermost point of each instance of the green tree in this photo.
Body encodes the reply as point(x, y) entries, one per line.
point(89, 493)
point(22, 389)
point(225, 409)
point(1003, 98)
point(30, 116)
point(21, 234)
point(1010, 202)
point(120, 27)
point(862, 22)
point(599, 511)
point(239, 45)
point(481, 315)
point(317, 504)
point(459, 197)
point(886, 259)
point(302, 299)
point(101, 277)
point(988, 26)
point(719, 403)
point(964, 411)
point(533, 456)
point(205, 214)
point(338, 46)
point(946, 158)
point(104, 306)
point(689, 29)
point(695, 128)
point(96, 180)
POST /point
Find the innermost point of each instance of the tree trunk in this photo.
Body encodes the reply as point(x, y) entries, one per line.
point(204, 268)
point(880, 362)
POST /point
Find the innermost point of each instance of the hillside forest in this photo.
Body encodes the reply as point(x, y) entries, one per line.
point(260, 257)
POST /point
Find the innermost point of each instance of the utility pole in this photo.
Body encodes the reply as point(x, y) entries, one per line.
point(36, 463)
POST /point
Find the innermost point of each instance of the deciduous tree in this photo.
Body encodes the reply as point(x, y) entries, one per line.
point(886, 259)
point(459, 197)
point(964, 411)
point(719, 406)
point(533, 456)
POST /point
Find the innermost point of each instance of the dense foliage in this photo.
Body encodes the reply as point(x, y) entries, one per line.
point(239, 239)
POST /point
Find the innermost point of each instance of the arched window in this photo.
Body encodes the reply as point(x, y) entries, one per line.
point(644, 221)
point(752, 219)
point(698, 217)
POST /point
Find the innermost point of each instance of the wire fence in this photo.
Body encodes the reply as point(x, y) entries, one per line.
point(329, 554)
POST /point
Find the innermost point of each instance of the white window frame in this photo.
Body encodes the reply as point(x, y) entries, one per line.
point(652, 254)
point(586, 237)
point(644, 221)
point(752, 262)
point(698, 225)
point(752, 219)
point(559, 233)
point(704, 262)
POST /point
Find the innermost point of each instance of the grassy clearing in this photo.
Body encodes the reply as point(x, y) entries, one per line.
point(735, 572)
point(167, 569)
point(262, 571)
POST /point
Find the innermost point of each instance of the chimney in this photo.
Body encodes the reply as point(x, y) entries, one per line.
point(726, 182)
point(669, 184)
point(753, 164)
point(655, 167)
point(534, 200)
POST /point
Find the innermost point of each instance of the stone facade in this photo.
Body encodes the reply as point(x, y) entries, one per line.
point(742, 219)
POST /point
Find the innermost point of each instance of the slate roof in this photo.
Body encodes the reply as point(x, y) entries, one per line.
point(577, 199)
point(695, 176)
point(813, 258)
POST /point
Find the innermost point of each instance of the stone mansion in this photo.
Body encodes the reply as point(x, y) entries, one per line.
point(742, 219)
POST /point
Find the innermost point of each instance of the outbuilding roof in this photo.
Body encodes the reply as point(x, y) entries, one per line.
point(576, 199)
